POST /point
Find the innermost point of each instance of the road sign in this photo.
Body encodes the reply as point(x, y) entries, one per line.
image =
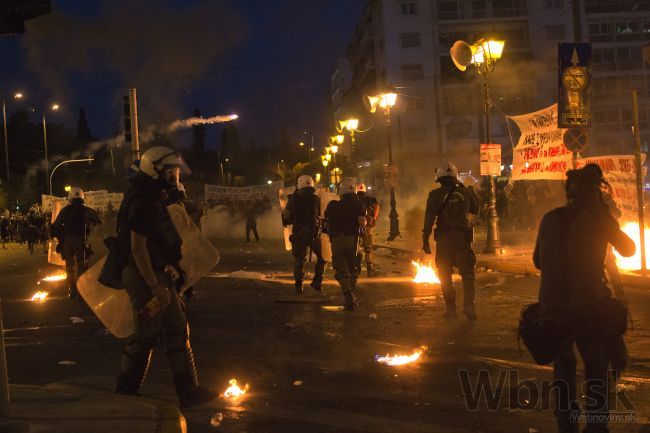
point(576, 139)
point(490, 160)
point(574, 79)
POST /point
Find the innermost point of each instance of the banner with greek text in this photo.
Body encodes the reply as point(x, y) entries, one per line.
point(620, 173)
point(540, 153)
point(257, 192)
point(101, 201)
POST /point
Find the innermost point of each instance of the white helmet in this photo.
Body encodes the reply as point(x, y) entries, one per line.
point(76, 192)
point(361, 187)
point(447, 171)
point(347, 186)
point(157, 158)
point(305, 181)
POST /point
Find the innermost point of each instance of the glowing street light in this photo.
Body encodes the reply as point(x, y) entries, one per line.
point(67, 188)
point(387, 100)
point(483, 54)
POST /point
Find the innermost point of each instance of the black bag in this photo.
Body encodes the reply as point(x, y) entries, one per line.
point(544, 334)
point(609, 317)
point(111, 273)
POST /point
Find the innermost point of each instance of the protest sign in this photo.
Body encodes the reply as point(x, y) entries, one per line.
point(231, 194)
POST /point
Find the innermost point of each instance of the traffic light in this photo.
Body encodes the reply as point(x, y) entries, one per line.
point(126, 104)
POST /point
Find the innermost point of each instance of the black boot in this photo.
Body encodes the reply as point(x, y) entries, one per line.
point(371, 272)
point(134, 371)
point(317, 283)
point(299, 289)
point(450, 310)
point(470, 311)
point(350, 301)
point(185, 378)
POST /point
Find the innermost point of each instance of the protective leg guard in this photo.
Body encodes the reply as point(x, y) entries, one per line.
point(350, 301)
point(135, 363)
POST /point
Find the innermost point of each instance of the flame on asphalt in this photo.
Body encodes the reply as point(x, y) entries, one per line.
point(55, 277)
point(39, 296)
point(425, 274)
point(234, 392)
point(397, 360)
point(633, 263)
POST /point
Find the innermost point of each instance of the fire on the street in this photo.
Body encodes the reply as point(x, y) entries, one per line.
point(397, 360)
point(234, 391)
point(60, 276)
point(634, 263)
point(39, 296)
point(425, 274)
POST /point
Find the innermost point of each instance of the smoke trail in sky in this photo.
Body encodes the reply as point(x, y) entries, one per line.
point(193, 121)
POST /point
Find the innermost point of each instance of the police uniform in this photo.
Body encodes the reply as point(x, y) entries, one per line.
point(303, 211)
point(72, 228)
point(144, 211)
point(367, 239)
point(342, 218)
point(448, 207)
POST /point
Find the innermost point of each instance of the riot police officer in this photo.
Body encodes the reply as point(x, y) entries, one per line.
point(71, 229)
point(150, 245)
point(372, 214)
point(345, 220)
point(303, 212)
point(448, 208)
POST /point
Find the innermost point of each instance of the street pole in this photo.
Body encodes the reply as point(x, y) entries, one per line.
point(493, 242)
point(135, 136)
point(577, 37)
point(639, 179)
point(4, 127)
point(70, 161)
point(4, 381)
point(393, 215)
point(47, 163)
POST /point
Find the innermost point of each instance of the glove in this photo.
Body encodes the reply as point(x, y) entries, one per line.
point(425, 243)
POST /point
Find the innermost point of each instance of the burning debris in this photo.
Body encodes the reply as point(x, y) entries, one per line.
point(234, 391)
point(397, 360)
point(55, 277)
point(40, 296)
point(633, 263)
point(425, 274)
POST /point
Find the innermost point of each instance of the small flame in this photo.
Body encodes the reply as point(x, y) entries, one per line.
point(396, 360)
point(425, 273)
point(40, 296)
point(634, 263)
point(234, 391)
point(55, 277)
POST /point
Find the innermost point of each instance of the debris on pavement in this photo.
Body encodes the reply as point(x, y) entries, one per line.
point(76, 319)
point(216, 419)
point(67, 363)
point(297, 383)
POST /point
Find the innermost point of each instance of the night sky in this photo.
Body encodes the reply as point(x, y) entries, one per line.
point(268, 61)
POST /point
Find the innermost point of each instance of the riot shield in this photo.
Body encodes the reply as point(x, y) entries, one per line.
point(284, 198)
point(113, 307)
point(326, 246)
point(53, 257)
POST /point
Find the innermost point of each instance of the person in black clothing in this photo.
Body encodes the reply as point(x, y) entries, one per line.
point(71, 229)
point(448, 207)
point(303, 212)
point(570, 252)
point(346, 219)
point(251, 221)
point(150, 248)
point(372, 214)
point(32, 228)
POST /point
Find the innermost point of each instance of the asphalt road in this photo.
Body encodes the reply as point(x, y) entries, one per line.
point(309, 368)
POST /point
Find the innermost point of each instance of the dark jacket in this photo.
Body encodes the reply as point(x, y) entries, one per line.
point(342, 216)
point(462, 202)
point(303, 211)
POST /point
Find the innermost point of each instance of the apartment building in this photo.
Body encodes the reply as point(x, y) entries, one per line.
point(406, 43)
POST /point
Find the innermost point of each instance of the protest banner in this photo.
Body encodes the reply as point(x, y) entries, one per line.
point(490, 160)
point(540, 153)
point(101, 201)
point(620, 172)
point(231, 194)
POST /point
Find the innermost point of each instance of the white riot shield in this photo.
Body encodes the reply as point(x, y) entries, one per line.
point(326, 245)
point(284, 198)
point(113, 307)
point(53, 257)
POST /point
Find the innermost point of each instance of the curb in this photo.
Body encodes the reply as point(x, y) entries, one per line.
point(170, 419)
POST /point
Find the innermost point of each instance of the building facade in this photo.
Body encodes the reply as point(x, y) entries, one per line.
point(439, 114)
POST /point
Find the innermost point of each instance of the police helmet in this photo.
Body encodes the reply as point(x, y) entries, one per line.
point(159, 158)
point(76, 193)
point(305, 181)
point(450, 170)
point(361, 187)
point(347, 186)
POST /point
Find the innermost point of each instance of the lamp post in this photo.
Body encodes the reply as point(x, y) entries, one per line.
point(325, 163)
point(4, 129)
point(351, 125)
point(483, 55)
point(70, 161)
point(302, 144)
point(387, 101)
point(54, 107)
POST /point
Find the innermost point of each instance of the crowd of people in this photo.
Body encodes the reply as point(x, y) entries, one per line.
point(30, 229)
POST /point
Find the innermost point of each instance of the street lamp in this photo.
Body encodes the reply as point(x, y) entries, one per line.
point(483, 54)
point(351, 125)
point(70, 161)
point(18, 95)
point(54, 107)
point(387, 101)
